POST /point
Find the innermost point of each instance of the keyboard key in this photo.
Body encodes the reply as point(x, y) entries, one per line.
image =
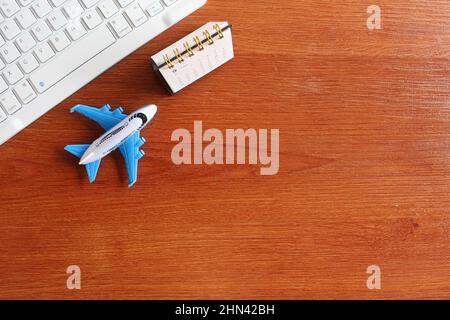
point(73, 9)
point(10, 29)
point(28, 63)
point(59, 41)
point(76, 30)
point(136, 15)
point(9, 52)
point(25, 3)
point(41, 8)
point(9, 102)
point(67, 61)
point(92, 19)
point(2, 41)
point(108, 8)
point(25, 41)
point(169, 2)
point(151, 6)
point(3, 116)
point(9, 7)
point(12, 74)
point(41, 30)
point(57, 19)
point(25, 18)
point(57, 3)
point(120, 25)
point(44, 52)
point(89, 3)
point(2, 65)
point(124, 3)
point(25, 92)
point(3, 85)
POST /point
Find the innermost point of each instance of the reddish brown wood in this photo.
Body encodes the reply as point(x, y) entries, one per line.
point(364, 179)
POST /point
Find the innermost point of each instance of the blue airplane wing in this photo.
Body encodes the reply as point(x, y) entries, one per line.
point(103, 116)
point(91, 168)
point(131, 153)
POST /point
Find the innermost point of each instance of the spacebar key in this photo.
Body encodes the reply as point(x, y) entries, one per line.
point(72, 58)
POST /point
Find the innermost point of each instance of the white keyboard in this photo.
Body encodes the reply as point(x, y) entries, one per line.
point(51, 48)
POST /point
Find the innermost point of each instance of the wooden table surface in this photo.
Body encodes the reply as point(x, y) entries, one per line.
point(364, 119)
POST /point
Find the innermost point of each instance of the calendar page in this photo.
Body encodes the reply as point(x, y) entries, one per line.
point(195, 55)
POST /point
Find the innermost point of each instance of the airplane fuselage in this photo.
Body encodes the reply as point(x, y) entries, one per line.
point(113, 138)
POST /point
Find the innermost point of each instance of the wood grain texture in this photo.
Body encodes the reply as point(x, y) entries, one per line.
point(364, 119)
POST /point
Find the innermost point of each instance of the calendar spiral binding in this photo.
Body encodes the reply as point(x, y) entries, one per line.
point(199, 44)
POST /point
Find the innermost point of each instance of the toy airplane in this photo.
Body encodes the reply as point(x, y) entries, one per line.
point(122, 132)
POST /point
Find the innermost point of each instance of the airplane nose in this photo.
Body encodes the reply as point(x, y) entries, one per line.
point(150, 111)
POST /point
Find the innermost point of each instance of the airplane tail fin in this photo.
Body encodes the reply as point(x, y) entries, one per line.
point(78, 150)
